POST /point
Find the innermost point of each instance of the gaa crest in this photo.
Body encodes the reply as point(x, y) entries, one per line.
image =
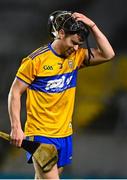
point(71, 63)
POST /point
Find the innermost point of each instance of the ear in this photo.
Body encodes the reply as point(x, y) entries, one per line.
point(61, 34)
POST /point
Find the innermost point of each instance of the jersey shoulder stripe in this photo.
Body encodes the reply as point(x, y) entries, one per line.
point(39, 51)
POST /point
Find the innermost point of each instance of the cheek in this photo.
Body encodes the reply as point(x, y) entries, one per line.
point(68, 42)
point(67, 45)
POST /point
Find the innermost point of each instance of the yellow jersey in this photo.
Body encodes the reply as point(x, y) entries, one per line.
point(51, 91)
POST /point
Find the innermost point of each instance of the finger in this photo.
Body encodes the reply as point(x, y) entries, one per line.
point(18, 143)
point(76, 15)
point(13, 142)
point(80, 19)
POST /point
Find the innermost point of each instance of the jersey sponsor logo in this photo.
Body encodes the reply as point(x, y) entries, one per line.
point(47, 67)
point(55, 84)
point(58, 83)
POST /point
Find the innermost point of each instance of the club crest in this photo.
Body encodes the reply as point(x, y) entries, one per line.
point(71, 63)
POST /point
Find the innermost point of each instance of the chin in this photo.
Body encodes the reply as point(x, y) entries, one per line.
point(67, 54)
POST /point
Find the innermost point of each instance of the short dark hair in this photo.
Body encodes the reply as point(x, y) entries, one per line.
point(64, 20)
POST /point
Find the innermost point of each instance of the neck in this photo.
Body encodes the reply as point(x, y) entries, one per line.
point(57, 46)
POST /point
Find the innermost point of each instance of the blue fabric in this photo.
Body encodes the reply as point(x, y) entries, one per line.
point(63, 145)
point(55, 84)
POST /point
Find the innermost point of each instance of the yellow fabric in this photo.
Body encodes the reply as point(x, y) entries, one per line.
point(51, 91)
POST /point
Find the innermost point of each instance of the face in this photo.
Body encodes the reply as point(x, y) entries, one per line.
point(70, 43)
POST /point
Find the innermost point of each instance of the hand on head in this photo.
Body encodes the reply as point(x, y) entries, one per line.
point(83, 18)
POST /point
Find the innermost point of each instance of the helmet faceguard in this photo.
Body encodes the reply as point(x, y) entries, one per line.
point(64, 20)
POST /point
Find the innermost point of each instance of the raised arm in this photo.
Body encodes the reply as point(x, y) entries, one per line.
point(14, 106)
point(104, 51)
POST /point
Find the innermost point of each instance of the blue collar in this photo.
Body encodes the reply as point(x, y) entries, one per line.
point(54, 52)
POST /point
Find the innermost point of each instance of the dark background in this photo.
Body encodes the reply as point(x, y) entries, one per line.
point(100, 117)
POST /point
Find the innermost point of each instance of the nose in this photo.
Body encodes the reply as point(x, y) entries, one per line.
point(76, 47)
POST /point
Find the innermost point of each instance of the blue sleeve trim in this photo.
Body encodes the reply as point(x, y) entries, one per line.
point(22, 80)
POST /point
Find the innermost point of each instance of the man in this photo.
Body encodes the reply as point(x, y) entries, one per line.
point(49, 75)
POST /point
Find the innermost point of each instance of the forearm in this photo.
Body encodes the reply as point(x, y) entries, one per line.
point(102, 42)
point(14, 106)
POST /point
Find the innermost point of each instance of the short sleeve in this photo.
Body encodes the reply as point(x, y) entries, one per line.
point(27, 70)
point(81, 55)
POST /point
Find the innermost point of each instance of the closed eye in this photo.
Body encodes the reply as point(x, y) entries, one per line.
point(77, 43)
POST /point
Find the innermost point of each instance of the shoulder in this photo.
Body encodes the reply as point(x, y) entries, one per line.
point(38, 52)
point(34, 57)
point(81, 51)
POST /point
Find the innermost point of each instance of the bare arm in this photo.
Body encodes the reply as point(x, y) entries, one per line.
point(104, 51)
point(14, 106)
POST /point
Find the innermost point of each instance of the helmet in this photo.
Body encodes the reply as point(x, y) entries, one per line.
point(64, 20)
